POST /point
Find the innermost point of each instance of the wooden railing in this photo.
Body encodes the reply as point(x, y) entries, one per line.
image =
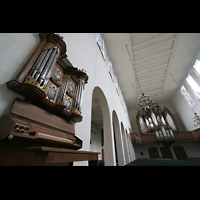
point(190, 135)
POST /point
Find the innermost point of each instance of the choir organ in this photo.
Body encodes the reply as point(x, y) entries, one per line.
point(53, 90)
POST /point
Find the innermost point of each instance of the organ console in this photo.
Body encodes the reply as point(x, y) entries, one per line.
point(53, 90)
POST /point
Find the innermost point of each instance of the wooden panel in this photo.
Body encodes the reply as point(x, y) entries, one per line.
point(49, 156)
point(166, 153)
point(27, 110)
point(153, 152)
point(179, 152)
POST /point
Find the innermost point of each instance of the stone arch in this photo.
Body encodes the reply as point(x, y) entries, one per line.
point(109, 151)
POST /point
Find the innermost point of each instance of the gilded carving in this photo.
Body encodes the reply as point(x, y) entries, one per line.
point(59, 102)
point(51, 92)
point(74, 110)
point(58, 74)
point(81, 80)
point(32, 81)
point(65, 77)
point(68, 103)
point(84, 71)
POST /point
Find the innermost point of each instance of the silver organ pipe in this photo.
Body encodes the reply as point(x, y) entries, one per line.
point(83, 87)
point(168, 134)
point(39, 71)
point(161, 135)
point(47, 67)
point(75, 97)
point(43, 67)
point(37, 63)
point(50, 69)
point(63, 89)
point(157, 135)
point(164, 132)
point(78, 96)
point(171, 132)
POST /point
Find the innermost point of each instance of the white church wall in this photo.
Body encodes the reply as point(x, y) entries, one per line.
point(15, 50)
point(184, 112)
point(95, 143)
point(83, 52)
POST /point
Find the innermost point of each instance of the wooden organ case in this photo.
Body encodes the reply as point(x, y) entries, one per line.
point(40, 129)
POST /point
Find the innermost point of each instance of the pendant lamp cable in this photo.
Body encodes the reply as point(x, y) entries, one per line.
point(133, 68)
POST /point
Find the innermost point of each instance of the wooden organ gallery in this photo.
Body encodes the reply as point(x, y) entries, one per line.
point(40, 129)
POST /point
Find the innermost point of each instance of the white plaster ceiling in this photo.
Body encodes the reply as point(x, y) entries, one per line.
point(154, 56)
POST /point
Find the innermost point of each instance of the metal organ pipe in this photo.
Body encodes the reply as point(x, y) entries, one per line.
point(43, 67)
point(76, 97)
point(63, 89)
point(37, 64)
point(50, 69)
point(39, 71)
point(80, 104)
point(47, 67)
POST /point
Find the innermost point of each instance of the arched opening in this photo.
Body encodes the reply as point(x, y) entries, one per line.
point(128, 147)
point(119, 151)
point(102, 141)
point(125, 147)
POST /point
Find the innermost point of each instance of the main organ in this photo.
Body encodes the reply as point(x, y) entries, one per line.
point(53, 90)
point(152, 120)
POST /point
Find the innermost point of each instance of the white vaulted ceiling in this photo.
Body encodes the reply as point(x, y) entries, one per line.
point(154, 56)
point(151, 58)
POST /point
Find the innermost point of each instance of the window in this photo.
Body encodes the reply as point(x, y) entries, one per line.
point(196, 66)
point(100, 42)
point(109, 65)
point(195, 87)
point(187, 96)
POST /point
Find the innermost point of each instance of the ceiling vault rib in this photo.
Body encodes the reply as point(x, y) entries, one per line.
point(153, 92)
point(155, 45)
point(153, 86)
point(153, 60)
point(155, 55)
point(157, 67)
point(146, 80)
point(154, 39)
point(152, 72)
point(144, 83)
